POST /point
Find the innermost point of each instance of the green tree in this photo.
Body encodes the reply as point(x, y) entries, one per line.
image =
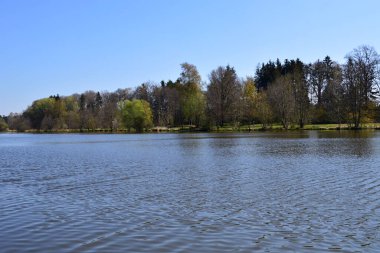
point(267, 73)
point(263, 110)
point(193, 107)
point(3, 125)
point(135, 114)
point(249, 100)
point(192, 98)
point(40, 109)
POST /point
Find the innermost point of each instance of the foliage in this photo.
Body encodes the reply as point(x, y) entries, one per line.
point(192, 98)
point(289, 92)
point(3, 125)
point(135, 114)
point(42, 111)
point(263, 110)
point(249, 101)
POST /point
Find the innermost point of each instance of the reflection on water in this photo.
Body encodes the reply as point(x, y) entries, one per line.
point(305, 191)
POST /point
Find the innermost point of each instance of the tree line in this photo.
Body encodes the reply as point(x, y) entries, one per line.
point(290, 93)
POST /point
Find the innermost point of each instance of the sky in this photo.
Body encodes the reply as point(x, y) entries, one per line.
point(63, 47)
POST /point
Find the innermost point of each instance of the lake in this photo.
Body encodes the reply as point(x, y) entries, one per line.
point(295, 191)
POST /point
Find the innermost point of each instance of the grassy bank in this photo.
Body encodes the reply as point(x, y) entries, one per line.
point(278, 127)
point(226, 128)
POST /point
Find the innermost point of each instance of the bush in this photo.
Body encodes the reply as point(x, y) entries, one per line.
point(3, 125)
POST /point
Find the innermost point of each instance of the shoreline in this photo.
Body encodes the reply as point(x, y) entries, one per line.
point(225, 129)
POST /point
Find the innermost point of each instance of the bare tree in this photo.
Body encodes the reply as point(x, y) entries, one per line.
point(108, 111)
point(300, 92)
point(280, 94)
point(317, 81)
point(223, 94)
point(361, 81)
point(333, 96)
point(263, 110)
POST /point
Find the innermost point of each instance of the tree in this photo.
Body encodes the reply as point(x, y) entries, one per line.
point(223, 94)
point(18, 122)
point(123, 94)
point(333, 96)
point(135, 114)
point(193, 105)
point(3, 124)
point(88, 109)
point(166, 104)
point(249, 100)
point(71, 112)
point(360, 81)
point(282, 100)
point(159, 108)
point(190, 74)
point(263, 110)
point(317, 81)
point(98, 101)
point(267, 73)
point(324, 82)
point(108, 112)
point(144, 92)
point(192, 98)
point(40, 109)
point(300, 92)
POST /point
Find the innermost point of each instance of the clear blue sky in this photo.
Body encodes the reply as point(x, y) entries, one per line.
point(70, 46)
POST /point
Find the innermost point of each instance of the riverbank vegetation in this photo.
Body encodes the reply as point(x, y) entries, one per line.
point(281, 94)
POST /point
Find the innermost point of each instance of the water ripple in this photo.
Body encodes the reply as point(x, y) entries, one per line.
point(261, 192)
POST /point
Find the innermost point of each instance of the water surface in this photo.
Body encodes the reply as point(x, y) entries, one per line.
point(304, 191)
